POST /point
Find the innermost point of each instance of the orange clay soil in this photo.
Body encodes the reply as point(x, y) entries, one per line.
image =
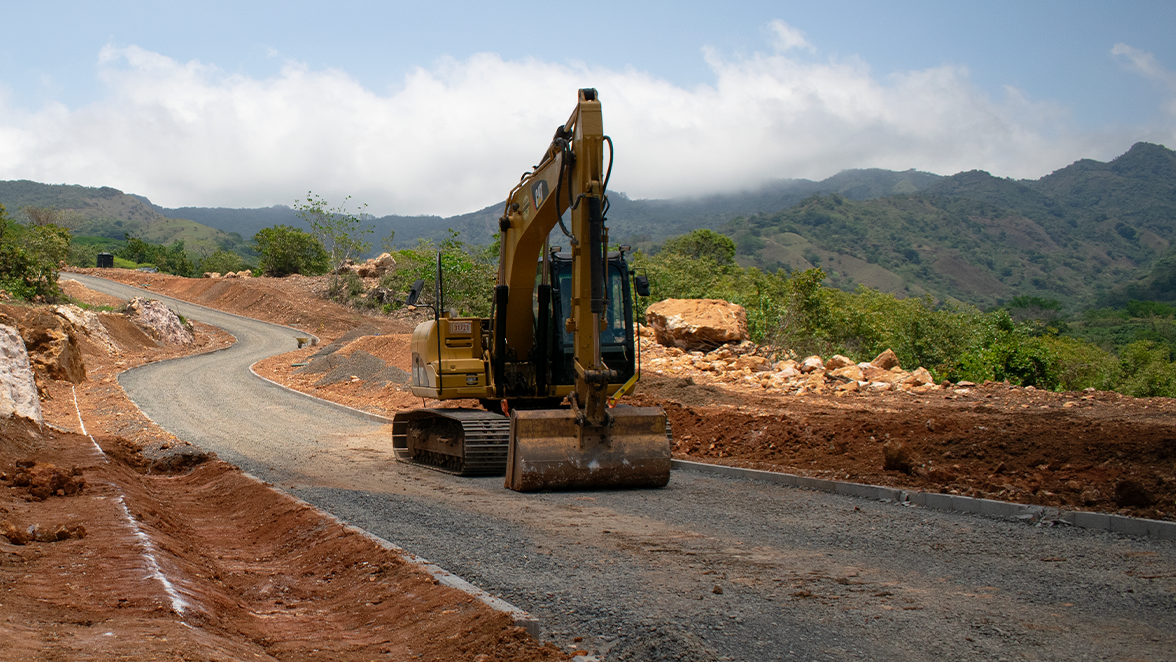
point(166, 553)
point(1095, 451)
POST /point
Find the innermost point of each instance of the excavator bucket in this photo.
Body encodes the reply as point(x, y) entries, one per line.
point(549, 450)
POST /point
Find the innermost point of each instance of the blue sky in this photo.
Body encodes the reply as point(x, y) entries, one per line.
point(437, 108)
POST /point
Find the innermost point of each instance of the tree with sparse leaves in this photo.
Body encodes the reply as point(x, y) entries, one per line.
point(337, 229)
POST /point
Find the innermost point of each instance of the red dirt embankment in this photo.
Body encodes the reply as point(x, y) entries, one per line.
point(165, 553)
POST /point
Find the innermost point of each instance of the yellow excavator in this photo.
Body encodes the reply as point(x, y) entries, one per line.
point(557, 350)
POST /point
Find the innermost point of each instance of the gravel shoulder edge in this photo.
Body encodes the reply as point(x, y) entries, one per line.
point(1132, 526)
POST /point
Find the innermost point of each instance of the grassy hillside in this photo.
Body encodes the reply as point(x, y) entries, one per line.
point(110, 213)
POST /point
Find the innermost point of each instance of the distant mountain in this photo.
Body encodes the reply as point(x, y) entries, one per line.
point(1086, 234)
point(1079, 235)
point(108, 212)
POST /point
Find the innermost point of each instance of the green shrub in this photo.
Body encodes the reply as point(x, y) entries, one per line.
point(1147, 372)
point(468, 273)
point(29, 255)
point(221, 262)
point(285, 250)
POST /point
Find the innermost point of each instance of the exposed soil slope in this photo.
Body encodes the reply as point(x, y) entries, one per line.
point(167, 553)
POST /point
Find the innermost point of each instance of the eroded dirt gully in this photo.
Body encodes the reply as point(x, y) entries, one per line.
point(166, 553)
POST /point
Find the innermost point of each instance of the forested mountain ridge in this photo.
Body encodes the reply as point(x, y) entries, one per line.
point(1080, 235)
point(1089, 233)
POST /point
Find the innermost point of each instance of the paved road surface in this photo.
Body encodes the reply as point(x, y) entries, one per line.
point(707, 568)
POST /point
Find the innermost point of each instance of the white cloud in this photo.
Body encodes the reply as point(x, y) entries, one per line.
point(788, 37)
point(1145, 63)
point(457, 135)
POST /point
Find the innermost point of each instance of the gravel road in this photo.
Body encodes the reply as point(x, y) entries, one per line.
point(706, 568)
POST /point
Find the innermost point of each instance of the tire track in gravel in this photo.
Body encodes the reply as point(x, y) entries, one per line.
point(707, 568)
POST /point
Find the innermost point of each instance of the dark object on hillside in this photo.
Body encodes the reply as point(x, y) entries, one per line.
point(1131, 494)
point(896, 457)
point(105, 261)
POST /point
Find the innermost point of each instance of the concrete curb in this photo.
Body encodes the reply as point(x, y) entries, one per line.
point(520, 617)
point(1132, 526)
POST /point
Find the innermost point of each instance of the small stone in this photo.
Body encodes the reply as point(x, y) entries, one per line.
point(717, 590)
point(812, 363)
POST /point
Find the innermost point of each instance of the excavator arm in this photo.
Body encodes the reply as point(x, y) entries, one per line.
point(588, 445)
point(571, 175)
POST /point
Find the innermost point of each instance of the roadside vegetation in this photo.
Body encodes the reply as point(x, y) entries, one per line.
point(1028, 342)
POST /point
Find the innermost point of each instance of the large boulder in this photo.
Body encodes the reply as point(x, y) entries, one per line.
point(697, 324)
point(18, 389)
point(376, 267)
point(52, 349)
point(160, 322)
point(86, 322)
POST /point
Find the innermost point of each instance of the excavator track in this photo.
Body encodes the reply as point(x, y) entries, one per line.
point(463, 442)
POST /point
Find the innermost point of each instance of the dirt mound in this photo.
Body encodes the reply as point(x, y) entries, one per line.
point(358, 367)
point(1107, 453)
point(684, 390)
point(393, 349)
point(343, 340)
point(41, 480)
point(126, 333)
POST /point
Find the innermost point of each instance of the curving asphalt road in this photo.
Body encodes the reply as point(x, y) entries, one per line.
point(706, 568)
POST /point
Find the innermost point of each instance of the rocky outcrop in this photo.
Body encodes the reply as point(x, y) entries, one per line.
point(18, 389)
point(160, 322)
point(371, 268)
point(52, 348)
point(697, 324)
point(87, 323)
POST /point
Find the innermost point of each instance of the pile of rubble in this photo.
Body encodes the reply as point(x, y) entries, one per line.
point(680, 331)
point(244, 273)
point(743, 364)
point(372, 268)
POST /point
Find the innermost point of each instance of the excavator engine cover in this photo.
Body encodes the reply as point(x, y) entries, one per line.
point(550, 450)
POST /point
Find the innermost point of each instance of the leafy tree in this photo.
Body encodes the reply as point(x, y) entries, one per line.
point(41, 216)
point(338, 230)
point(171, 259)
point(29, 258)
point(285, 250)
point(703, 244)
